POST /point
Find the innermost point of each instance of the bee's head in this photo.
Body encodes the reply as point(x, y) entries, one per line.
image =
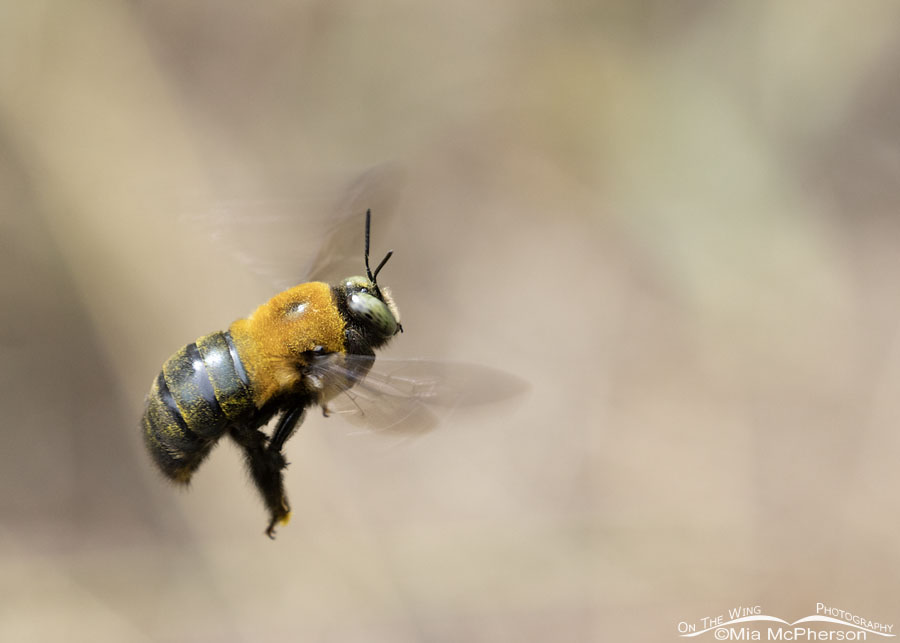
point(367, 302)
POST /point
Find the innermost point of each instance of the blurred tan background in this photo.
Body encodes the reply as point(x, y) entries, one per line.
point(677, 221)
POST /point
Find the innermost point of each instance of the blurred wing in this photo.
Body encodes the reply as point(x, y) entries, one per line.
point(272, 238)
point(340, 255)
point(291, 240)
point(408, 395)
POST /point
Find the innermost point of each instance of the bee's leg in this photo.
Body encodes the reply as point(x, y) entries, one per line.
point(286, 426)
point(265, 468)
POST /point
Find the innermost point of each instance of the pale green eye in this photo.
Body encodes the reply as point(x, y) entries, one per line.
point(374, 311)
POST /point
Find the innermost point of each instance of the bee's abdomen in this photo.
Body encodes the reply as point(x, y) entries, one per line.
point(200, 390)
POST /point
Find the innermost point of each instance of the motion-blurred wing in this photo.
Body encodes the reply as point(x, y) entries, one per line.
point(407, 395)
point(294, 239)
point(340, 254)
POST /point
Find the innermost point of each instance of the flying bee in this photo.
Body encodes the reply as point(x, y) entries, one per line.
point(311, 345)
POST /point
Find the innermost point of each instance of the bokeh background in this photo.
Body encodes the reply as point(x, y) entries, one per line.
point(676, 220)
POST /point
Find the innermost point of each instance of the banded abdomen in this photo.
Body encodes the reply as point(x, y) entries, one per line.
point(201, 389)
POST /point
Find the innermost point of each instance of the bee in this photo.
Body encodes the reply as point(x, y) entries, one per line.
point(302, 348)
point(310, 345)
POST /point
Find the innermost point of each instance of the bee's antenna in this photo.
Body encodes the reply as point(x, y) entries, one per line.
point(368, 225)
point(373, 275)
point(381, 265)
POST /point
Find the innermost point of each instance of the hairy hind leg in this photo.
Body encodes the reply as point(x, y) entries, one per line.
point(266, 463)
point(265, 469)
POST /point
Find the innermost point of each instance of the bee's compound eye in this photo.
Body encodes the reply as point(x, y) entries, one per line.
point(374, 311)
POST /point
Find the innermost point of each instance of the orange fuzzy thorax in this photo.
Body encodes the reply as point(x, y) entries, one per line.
point(271, 342)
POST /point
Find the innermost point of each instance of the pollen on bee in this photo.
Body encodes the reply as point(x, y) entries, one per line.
point(272, 341)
